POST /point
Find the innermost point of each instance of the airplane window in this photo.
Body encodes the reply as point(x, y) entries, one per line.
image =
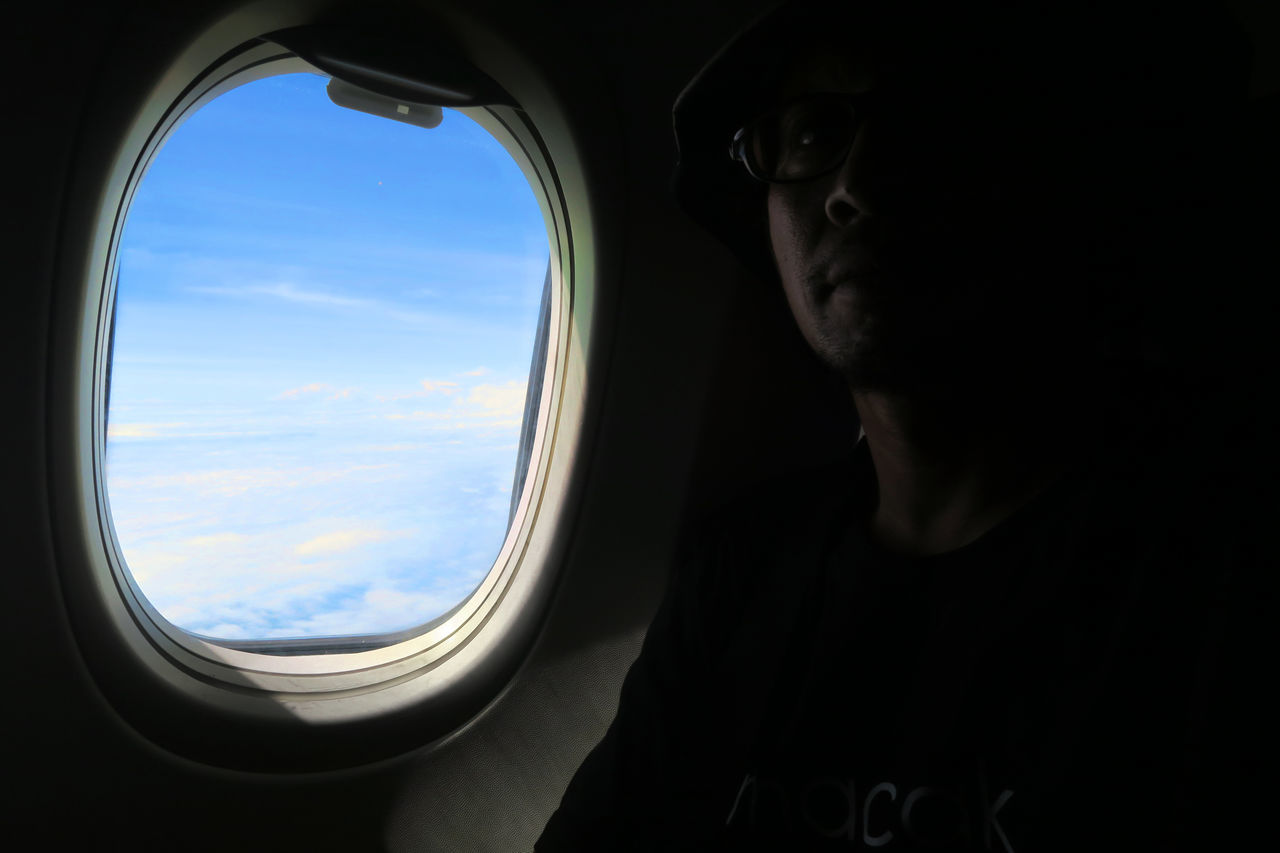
point(320, 357)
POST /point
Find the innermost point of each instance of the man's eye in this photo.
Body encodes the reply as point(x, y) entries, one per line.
point(806, 136)
point(809, 137)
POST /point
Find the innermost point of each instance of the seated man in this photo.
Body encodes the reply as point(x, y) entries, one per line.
point(1027, 616)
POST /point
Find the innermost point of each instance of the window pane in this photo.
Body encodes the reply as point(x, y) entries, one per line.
point(324, 322)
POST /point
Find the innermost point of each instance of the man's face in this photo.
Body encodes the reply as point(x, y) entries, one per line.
point(821, 242)
point(896, 264)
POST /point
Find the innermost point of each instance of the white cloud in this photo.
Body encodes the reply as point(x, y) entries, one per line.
point(225, 631)
point(294, 393)
point(342, 540)
point(485, 407)
point(285, 290)
point(498, 400)
point(117, 432)
point(429, 387)
point(479, 371)
point(232, 482)
point(444, 386)
point(269, 538)
point(260, 584)
point(379, 609)
point(147, 565)
point(318, 388)
point(217, 540)
point(457, 420)
point(142, 430)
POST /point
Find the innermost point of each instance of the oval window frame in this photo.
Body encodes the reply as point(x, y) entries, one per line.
point(328, 672)
point(431, 681)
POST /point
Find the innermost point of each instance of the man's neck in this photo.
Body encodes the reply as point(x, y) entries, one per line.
point(950, 469)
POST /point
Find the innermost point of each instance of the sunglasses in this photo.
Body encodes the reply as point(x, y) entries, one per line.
point(802, 139)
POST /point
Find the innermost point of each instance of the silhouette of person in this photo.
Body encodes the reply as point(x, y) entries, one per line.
point(1026, 617)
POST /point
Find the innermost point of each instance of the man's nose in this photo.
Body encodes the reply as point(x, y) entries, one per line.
point(852, 191)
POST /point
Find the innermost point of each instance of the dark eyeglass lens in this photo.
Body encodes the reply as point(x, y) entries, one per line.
point(802, 140)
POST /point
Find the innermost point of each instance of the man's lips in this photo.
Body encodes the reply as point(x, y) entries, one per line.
point(854, 268)
point(860, 254)
point(863, 256)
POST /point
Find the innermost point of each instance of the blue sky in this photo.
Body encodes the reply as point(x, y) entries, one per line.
point(323, 333)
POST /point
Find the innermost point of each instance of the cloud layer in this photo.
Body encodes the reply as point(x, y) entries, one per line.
point(317, 524)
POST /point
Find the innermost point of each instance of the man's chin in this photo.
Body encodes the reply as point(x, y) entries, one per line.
point(923, 370)
point(955, 372)
point(888, 380)
point(866, 369)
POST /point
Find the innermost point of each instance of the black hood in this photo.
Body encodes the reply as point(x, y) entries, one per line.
point(728, 92)
point(1130, 60)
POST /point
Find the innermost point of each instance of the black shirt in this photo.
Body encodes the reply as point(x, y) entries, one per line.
point(1091, 674)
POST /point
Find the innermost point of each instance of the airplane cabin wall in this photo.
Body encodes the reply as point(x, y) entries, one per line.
point(77, 769)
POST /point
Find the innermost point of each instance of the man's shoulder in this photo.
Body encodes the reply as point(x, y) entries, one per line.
point(766, 544)
point(783, 509)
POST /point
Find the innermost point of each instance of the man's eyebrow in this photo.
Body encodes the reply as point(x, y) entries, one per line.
point(831, 74)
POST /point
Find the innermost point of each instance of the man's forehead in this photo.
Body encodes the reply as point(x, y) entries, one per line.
point(922, 63)
point(828, 69)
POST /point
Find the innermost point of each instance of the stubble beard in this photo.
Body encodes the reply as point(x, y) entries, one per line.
point(868, 349)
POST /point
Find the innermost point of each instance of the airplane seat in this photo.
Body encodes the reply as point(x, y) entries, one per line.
point(1249, 345)
point(1225, 318)
point(1259, 374)
point(1214, 303)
